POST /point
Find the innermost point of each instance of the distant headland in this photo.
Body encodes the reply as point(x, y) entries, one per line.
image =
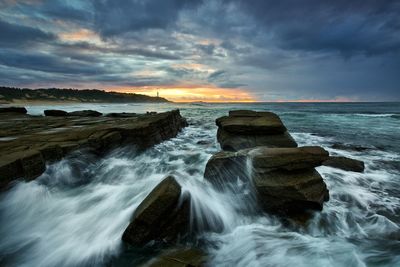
point(12, 95)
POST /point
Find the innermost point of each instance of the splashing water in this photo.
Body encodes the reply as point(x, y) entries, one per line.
point(75, 213)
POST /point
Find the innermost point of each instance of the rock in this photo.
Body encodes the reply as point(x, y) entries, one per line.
point(344, 163)
point(19, 110)
point(185, 257)
point(270, 159)
point(284, 179)
point(55, 113)
point(162, 215)
point(235, 142)
point(28, 164)
point(291, 192)
point(257, 123)
point(226, 166)
point(121, 115)
point(85, 113)
point(245, 129)
point(54, 137)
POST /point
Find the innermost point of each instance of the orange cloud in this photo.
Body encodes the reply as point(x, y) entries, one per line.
point(80, 35)
point(192, 93)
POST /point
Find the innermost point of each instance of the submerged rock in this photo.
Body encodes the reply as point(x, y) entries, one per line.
point(185, 257)
point(350, 147)
point(19, 110)
point(162, 216)
point(245, 128)
point(344, 163)
point(55, 113)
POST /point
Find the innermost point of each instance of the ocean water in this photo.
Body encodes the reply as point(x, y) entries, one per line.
point(75, 213)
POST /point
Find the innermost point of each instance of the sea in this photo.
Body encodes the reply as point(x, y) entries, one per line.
point(74, 214)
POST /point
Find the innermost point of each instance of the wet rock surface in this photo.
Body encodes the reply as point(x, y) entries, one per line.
point(162, 216)
point(264, 154)
point(346, 164)
point(34, 140)
point(284, 178)
point(245, 128)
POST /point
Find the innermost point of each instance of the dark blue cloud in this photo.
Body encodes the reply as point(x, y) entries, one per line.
point(19, 35)
point(113, 17)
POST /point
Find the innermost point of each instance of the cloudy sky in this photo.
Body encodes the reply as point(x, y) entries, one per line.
point(222, 50)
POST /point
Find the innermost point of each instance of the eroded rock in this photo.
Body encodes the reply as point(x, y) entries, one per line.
point(284, 179)
point(162, 216)
point(245, 129)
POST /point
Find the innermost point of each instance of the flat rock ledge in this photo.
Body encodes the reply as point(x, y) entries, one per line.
point(28, 142)
point(245, 129)
point(163, 216)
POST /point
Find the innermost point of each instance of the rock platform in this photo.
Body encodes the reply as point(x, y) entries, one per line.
point(28, 142)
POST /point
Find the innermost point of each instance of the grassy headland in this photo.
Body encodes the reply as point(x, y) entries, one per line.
point(10, 95)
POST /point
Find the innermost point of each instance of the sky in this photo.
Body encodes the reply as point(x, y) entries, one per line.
point(215, 50)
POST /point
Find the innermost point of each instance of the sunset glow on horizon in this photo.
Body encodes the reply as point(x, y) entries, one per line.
point(194, 94)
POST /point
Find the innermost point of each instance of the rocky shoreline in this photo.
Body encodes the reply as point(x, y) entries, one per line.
point(256, 148)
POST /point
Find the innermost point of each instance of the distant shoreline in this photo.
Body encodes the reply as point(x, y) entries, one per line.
point(55, 96)
point(61, 102)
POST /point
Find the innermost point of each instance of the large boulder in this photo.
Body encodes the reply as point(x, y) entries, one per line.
point(55, 113)
point(85, 113)
point(162, 216)
point(185, 257)
point(19, 110)
point(344, 163)
point(245, 129)
point(284, 179)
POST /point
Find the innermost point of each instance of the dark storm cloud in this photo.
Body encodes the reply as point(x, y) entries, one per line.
point(19, 35)
point(349, 27)
point(113, 17)
point(47, 63)
point(61, 10)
